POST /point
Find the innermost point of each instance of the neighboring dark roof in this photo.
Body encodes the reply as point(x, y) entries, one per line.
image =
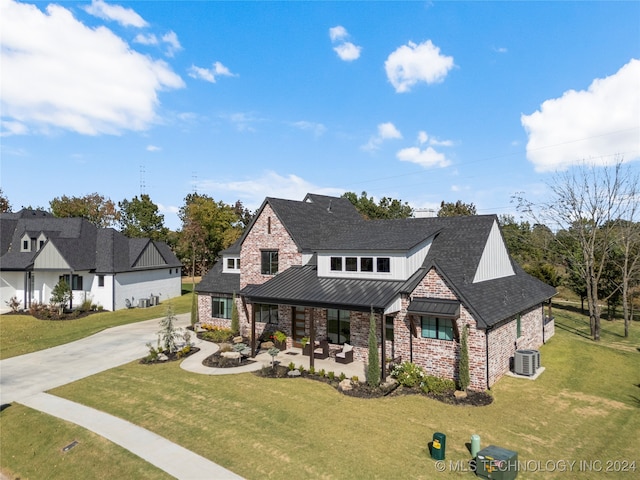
point(217, 282)
point(436, 307)
point(300, 285)
point(82, 244)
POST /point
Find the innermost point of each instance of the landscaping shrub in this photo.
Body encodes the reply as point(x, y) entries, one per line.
point(217, 334)
point(408, 374)
point(437, 386)
point(14, 304)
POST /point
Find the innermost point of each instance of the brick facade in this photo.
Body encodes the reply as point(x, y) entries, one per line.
point(495, 346)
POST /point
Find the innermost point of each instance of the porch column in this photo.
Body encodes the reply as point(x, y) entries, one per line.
point(253, 328)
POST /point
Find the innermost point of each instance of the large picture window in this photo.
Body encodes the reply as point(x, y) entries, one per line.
point(338, 326)
point(439, 328)
point(266, 313)
point(269, 262)
point(221, 307)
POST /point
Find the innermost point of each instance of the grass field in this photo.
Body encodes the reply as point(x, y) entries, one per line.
point(21, 334)
point(585, 408)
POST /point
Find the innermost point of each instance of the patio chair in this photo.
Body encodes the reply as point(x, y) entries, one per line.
point(322, 350)
point(345, 355)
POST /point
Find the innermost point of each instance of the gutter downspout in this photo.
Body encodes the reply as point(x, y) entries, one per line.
point(113, 292)
point(383, 346)
point(486, 338)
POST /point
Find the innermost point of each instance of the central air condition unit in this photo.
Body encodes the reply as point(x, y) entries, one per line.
point(143, 303)
point(526, 362)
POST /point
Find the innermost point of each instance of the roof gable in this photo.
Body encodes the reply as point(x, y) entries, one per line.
point(495, 261)
point(50, 258)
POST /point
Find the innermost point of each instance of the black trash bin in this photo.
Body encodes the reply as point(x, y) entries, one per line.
point(438, 446)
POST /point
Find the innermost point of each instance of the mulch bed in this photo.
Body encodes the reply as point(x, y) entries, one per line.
point(362, 390)
point(216, 361)
point(44, 314)
point(171, 357)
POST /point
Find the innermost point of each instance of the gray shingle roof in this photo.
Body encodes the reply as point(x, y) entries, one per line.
point(327, 223)
point(217, 282)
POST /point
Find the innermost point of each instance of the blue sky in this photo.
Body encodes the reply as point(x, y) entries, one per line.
point(421, 101)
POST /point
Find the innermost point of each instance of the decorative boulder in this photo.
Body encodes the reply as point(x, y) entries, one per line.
point(232, 355)
point(294, 373)
point(237, 339)
point(345, 385)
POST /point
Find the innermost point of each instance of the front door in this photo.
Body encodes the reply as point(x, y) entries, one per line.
point(298, 326)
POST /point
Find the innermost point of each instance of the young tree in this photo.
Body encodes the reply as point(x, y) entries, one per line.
point(94, 207)
point(373, 366)
point(463, 365)
point(139, 217)
point(167, 335)
point(235, 318)
point(586, 202)
point(60, 295)
point(194, 305)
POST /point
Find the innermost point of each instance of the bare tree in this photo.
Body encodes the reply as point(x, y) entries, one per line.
point(586, 202)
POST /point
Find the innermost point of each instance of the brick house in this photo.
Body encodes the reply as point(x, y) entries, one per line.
point(317, 268)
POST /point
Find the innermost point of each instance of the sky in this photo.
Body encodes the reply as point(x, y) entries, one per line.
point(419, 101)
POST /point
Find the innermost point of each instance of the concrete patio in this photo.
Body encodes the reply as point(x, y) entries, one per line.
point(329, 364)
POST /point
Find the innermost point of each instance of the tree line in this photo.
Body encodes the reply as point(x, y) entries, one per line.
point(593, 248)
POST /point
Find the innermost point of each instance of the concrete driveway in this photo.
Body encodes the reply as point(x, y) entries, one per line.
point(23, 379)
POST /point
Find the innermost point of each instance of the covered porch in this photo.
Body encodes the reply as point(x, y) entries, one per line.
point(294, 355)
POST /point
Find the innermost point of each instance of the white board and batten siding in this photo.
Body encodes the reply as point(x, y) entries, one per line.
point(49, 258)
point(165, 283)
point(495, 261)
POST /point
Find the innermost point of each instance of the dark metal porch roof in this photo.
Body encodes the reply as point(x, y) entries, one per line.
point(300, 285)
point(435, 307)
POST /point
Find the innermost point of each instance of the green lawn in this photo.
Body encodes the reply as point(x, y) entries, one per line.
point(585, 407)
point(21, 334)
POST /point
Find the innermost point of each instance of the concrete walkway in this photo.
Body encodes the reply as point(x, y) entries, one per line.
point(24, 378)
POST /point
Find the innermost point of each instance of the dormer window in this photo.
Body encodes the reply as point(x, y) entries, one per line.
point(25, 245)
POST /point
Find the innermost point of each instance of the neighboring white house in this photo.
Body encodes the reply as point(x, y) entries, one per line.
point(100, 264)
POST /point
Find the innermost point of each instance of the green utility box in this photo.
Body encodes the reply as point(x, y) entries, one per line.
point(438, 446)
point(497, 463)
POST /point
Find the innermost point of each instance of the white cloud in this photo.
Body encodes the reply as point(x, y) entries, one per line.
point(153, 148)
point(318, 129)
point(500, 50)
point(270, 184)
point(412, 63)
point(122, 15)
point(594, 125)
point(423, 138)
point(146, 39)
point(426, 158)
point(347, 51)
point(173, 44)
point(64, 74)
point(338, 33)
point(13, 128)
point(386, 131)
point(243, 121)
point(210, 74)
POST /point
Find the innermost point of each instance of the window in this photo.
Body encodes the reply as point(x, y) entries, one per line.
point(41, 244)
point(383, 264)
point(366, 264)
point(269, 225)
point(75, 281)
point(230, 263)
point(266, 313)
point(389, 328)
point(336, 264)
point(519, 327)
point(25, 245)
point(439, 328)
point(101, 280)
point(269, 262)
point(338, 326)
point(221, 307)
point(351, 264)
